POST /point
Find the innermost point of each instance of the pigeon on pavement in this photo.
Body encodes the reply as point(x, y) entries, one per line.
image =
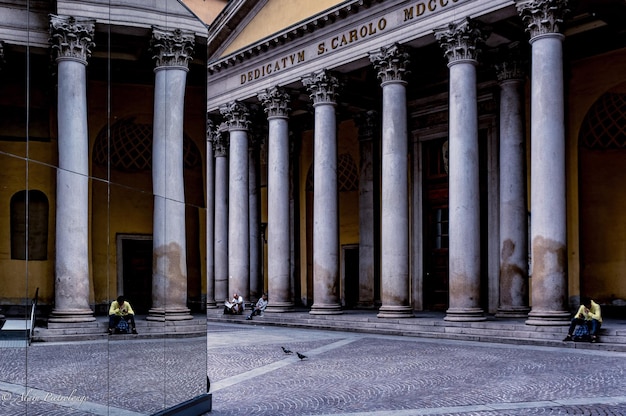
point(301, 356)
point(286, 351)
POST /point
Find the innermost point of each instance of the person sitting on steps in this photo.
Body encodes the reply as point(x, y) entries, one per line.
point(588, 314)
point(121, 309)
point(260, 306)
point(235, 306)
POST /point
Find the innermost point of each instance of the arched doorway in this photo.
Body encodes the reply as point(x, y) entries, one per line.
point(602, 198)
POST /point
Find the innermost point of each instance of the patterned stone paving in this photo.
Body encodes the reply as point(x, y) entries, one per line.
point(345, 373)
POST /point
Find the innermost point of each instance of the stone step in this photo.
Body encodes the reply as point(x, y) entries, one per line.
point(98, 330)
point(512, 332)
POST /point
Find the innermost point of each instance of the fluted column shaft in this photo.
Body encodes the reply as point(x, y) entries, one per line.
point(323, 87)
point(459, 41)
point(368, 133)
point(71, 40)
point(547, 178)
point(391, 64)
point(276, 104)
point(220, 249)
point(513, 210)
point(172, 49)
point(211, 133)
point(238, 120)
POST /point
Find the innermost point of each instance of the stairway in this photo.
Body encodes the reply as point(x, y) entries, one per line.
point(432, 325)
point(97, 330)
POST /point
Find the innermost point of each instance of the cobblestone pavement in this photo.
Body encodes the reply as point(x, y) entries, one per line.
point(345, 373)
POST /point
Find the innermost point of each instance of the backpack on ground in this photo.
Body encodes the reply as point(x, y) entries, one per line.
point(122, 327)
point(581, 333)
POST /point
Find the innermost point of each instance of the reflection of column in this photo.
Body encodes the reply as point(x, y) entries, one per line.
point(543, 19)
point(72, 39)
point(211, 135)
point(276, 103)
point(368, 132)
point(172, 49)
point(459, 41)
point(238, 120)
point(322, 88)
point(391, 64)
point(220, 250)
point(513, 217)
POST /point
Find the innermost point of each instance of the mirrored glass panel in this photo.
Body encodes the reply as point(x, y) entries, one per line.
point(102, 255)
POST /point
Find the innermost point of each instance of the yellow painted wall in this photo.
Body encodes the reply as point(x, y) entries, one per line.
point(206, 10)
point(590, 78)
point(275, 16)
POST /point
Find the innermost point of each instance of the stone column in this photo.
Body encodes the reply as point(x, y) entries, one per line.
point(72, 40)
point(543, 19)
point(238, 121)
point(172, 50)
point(368, 132)
point(323, 87)
point(256, 281)
point(211, 136)
point(392, 63)
point(459, 42)
point(513, 209)
point(220, 249)
point(276, 103)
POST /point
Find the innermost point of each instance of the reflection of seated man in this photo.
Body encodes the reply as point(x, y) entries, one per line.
point(235, 306)
point(259, 307)
point(121, 309)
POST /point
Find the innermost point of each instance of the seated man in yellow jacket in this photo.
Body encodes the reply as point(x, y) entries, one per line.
point(588, 314)
point(121, 309)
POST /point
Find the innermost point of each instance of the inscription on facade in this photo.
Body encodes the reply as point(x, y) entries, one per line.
point(270, 68)
point(352, 35)
point(422, 7)
point(392, 20)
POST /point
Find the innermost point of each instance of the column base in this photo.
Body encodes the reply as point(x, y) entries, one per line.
point(326, 309)
point(465, 315)
point(71, 315)
point(513, 312)
point(387, 311)
point(211, 304)
point(279, 307)
point(169, 314)
point(548, 318)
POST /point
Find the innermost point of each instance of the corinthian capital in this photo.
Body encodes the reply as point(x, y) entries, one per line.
point(542, 16)
point(275, 102)
point(220, 142)
point(391, 63)
point(211, 131)
point(460, 41)
point(72, 38)
point(236, 115)
point(172, 47)
point(511, 63)
point(323, 87)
